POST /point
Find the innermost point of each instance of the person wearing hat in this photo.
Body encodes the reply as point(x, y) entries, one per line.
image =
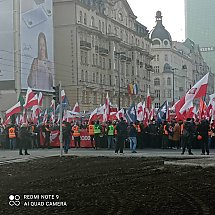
point(23, 136)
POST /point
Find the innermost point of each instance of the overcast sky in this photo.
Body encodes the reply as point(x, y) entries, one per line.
point(172, 12)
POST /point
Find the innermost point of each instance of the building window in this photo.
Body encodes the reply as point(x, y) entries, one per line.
point(104, 80)
point(85, 58)
point(157, 105)
point(157, 57)
point(110, 64)
point(85, 18)
point(97, 77)
point(92, 21)
point(156, 69)
point(169, 93)
point(157, 94)
point(110, 81)
point(94, 77)
point(169, 81)
point(103, 27)
point(94, 60)
point(95, 97)
point(82, 57)
point(109, 28)
point(83, 97)
point(82, 75)
point(157, 82)
point(81, 17)
point(100, 25)
point(100, 78)
point(103, 63)
point(166, 57)
point(100, 61)
point(86, 76)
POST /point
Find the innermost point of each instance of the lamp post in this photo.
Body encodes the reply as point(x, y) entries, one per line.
point(118, 54)
point(173, 84)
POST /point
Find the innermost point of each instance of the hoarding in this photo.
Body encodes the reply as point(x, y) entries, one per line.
point(36, 32)
point(6, 38)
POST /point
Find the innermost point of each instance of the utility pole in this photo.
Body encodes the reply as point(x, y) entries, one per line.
point(61, 110)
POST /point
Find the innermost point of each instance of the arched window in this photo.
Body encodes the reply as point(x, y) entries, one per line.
point(168, 81)
point(157, 81)
point(109, 28)
point(81, 17)
point(92, 21)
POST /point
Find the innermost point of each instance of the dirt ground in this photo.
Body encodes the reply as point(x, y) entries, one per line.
point(103, 185)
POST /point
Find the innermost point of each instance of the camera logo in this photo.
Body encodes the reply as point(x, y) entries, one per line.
point(14, 200)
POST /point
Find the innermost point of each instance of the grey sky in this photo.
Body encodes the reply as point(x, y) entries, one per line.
point(172, 12)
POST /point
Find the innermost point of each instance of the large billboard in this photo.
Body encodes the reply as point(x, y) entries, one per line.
point(36, 31)
point(6, 41)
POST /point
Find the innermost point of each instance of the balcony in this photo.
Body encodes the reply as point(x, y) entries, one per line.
point(103, 51)
point(85, 45)
point(148, 67)
point(123, 58)
point(114, 37)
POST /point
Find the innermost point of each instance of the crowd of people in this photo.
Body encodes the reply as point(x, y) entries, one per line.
point(115, 135)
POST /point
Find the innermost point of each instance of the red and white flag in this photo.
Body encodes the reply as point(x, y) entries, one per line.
point(152, 113)
point(197, 91)
point(29, 95)
point(32, 102)
point(106, 109)
point(45, 117)
point(76, 108)
point(6, 122)
point(62, 95)
point(40, 99)
point(93, 116)
point(140, 111)
point(148, 101)
point(120, 113)
point(17, 108)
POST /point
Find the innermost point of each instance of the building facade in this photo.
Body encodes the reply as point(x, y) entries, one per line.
point(177, 65)
point(199, 19)
point(101, 49)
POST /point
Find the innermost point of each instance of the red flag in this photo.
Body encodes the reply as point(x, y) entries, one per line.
point(148, 101)
point(93, 116)
point(40, 99)
point(29, 96)
point(13, 110)
point(197, 91)
point(76, 108)
point(32, 102)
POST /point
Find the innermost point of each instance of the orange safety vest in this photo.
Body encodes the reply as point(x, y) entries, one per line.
point(165, 131)
point(12, 133)
point(76, 133)
point(91, 130)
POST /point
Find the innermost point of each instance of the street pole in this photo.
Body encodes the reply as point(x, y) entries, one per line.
point(61, 110)
point(173, 86)
point(119, 81)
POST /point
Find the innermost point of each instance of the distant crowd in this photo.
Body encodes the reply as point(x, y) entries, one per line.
point(114, 135)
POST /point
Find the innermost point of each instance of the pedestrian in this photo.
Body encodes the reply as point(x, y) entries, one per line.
point(97, 134)
point(187, 136)
point(24, 136)
point(66, 130)
point(202, 130)
point(12, 133)
point(176, 135)
point(47, 135)
point(110, 135)
point(76, 132)
point(90, 129)
point(132, 133)
point(122, 134)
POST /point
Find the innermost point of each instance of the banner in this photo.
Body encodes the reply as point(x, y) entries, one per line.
point(37, 67)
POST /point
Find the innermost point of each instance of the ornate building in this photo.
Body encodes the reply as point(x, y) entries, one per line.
point(100, 47)
point(177, 65)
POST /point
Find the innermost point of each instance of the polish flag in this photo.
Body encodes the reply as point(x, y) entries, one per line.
point(211, 102)
point(52, 104)
point(35, 111)
point(93, 116)
point(152, 113)
point(120, 113)
point(40, 99)
point(17, 108)
point(32, 102)
point(197, 91)
point(62, 95)
point(140, 111)
point(6, 122)
point(76, 108)
point(45, 117)
point(106, 109)
point(29, 96)
point(148, 101)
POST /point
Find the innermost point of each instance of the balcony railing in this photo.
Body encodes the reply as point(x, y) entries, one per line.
point(103, 51)
point(85, 45)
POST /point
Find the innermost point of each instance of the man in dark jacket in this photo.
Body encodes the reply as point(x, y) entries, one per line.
point(23, 136)
point(122, 134)
point(202, 130)
point(187, 136)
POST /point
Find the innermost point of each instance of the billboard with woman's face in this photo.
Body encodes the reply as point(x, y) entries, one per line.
point(37, 61)
point(6, 41)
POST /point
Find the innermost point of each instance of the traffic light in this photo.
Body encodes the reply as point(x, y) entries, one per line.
point(56, 94)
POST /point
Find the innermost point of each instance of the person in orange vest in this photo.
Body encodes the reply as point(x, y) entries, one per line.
point(165, 134)
point(76, 132)
point(91, 133)
point(12, 133)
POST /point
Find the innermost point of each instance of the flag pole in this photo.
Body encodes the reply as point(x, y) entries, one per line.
point(61, 136)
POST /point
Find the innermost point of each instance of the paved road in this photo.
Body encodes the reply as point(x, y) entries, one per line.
point(9, 156)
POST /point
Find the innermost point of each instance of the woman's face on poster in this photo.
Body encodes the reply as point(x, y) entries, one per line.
point(42, 46)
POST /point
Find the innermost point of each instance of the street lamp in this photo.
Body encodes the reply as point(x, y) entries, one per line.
point(118, 54)
point(173, 84)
